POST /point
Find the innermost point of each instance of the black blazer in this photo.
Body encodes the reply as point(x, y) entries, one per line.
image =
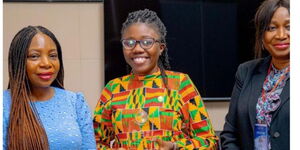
point(240, 120)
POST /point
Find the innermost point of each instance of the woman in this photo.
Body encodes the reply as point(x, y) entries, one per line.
point(38, 113)
point(259, 114)
point(151, 108)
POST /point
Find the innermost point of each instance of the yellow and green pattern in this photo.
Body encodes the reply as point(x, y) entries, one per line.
point(132, 110)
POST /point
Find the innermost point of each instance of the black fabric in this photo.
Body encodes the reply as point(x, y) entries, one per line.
point(240, 119)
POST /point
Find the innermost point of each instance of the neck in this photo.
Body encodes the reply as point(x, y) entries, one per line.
point(280, 64)
point(156, 69)
point(41, 93)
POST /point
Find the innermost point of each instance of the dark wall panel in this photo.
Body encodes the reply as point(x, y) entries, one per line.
point(207, 39)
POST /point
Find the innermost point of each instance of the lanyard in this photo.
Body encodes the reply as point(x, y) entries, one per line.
point(282, 77)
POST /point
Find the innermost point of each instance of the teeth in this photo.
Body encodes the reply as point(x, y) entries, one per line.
point(139, 60)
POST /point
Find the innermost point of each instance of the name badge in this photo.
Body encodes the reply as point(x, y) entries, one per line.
point(261, 140)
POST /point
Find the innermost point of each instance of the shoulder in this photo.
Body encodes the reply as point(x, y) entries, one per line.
point(6, 100)
point(6, 95)
point(175, 74)
point(251, 66)
point(68, 95)
point(121, 79)
point(117, 81)
point(251, 63)
point(67, 92)
point(178, 80)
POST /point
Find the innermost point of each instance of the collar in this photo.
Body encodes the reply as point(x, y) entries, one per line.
point(152, 76)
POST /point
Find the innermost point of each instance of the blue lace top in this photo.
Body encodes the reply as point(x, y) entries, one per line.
point(66, 118)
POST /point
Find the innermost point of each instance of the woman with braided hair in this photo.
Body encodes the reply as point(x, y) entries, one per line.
point(151, 107)
point(38, 113)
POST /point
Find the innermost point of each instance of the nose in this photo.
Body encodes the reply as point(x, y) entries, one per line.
point(45, 62)
point(138, 48)
point(282, 34)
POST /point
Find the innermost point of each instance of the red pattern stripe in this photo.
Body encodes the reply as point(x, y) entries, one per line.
point(153, 104)
point(189, 96)
point(121, 94)
point(199, 125)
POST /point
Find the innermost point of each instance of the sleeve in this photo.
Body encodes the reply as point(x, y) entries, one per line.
point(85, 123)
point(195, 117)
point(103, 127)
point(5, 124)
point(6, 110)
point(229, 139)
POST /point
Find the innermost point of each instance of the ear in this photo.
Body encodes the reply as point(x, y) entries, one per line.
point(162, 48)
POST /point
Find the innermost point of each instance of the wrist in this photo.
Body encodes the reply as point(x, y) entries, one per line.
point(174, 146)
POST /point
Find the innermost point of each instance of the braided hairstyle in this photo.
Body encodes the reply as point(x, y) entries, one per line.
point(25, 130)
point(150, 17)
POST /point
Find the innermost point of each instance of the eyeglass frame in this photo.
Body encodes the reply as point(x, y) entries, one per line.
point(139, 42)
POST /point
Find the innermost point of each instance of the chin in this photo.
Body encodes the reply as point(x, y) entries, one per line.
point(43, 85)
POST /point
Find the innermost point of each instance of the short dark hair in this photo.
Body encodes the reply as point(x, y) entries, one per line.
point(263, 19)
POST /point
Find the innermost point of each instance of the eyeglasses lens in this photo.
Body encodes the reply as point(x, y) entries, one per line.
point(145, 43)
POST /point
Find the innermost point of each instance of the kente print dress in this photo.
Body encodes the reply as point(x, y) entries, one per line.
point(133, 109)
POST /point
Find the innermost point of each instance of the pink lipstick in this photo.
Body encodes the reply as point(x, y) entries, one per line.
point(45, 76)
point(282, 46)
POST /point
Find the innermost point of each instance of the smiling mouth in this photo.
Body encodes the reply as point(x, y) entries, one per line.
point(282, 46)
point(45, 76)
point(139, 60)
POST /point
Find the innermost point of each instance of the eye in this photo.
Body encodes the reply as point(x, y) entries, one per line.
point(287, 27)
point(147, 42)
point(271, 28)
point(129, 43)
point(53, 55)
point(33, 56)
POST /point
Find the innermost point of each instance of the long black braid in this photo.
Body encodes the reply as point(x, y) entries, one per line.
point(25, 131)
point(150, 17)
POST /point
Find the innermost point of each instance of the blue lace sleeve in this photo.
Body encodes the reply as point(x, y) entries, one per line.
point(85, 122)
point(5, 124)
point(6, 109)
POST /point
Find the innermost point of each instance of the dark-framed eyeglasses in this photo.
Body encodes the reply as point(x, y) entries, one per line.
point(146, 43)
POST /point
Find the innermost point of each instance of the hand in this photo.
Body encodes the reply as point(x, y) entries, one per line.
point(164, 145)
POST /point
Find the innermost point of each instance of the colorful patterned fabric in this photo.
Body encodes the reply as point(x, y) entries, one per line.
point(264, 109)
point(133, 109)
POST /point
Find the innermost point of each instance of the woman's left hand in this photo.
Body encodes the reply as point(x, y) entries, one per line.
point(164, 145)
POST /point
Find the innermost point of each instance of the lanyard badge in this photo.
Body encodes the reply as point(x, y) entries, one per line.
point(261, 137)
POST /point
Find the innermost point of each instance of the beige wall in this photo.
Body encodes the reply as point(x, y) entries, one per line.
point(80, 29)
point(217, 112)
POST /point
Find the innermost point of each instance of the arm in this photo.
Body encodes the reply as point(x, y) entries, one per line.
point(6, 111)
point(85, 123)
point(200, 132)
point(229, 135)
point(103, 128)
point(5, 129)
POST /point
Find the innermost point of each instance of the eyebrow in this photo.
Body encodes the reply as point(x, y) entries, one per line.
point(285, 21)
point(38, 50)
